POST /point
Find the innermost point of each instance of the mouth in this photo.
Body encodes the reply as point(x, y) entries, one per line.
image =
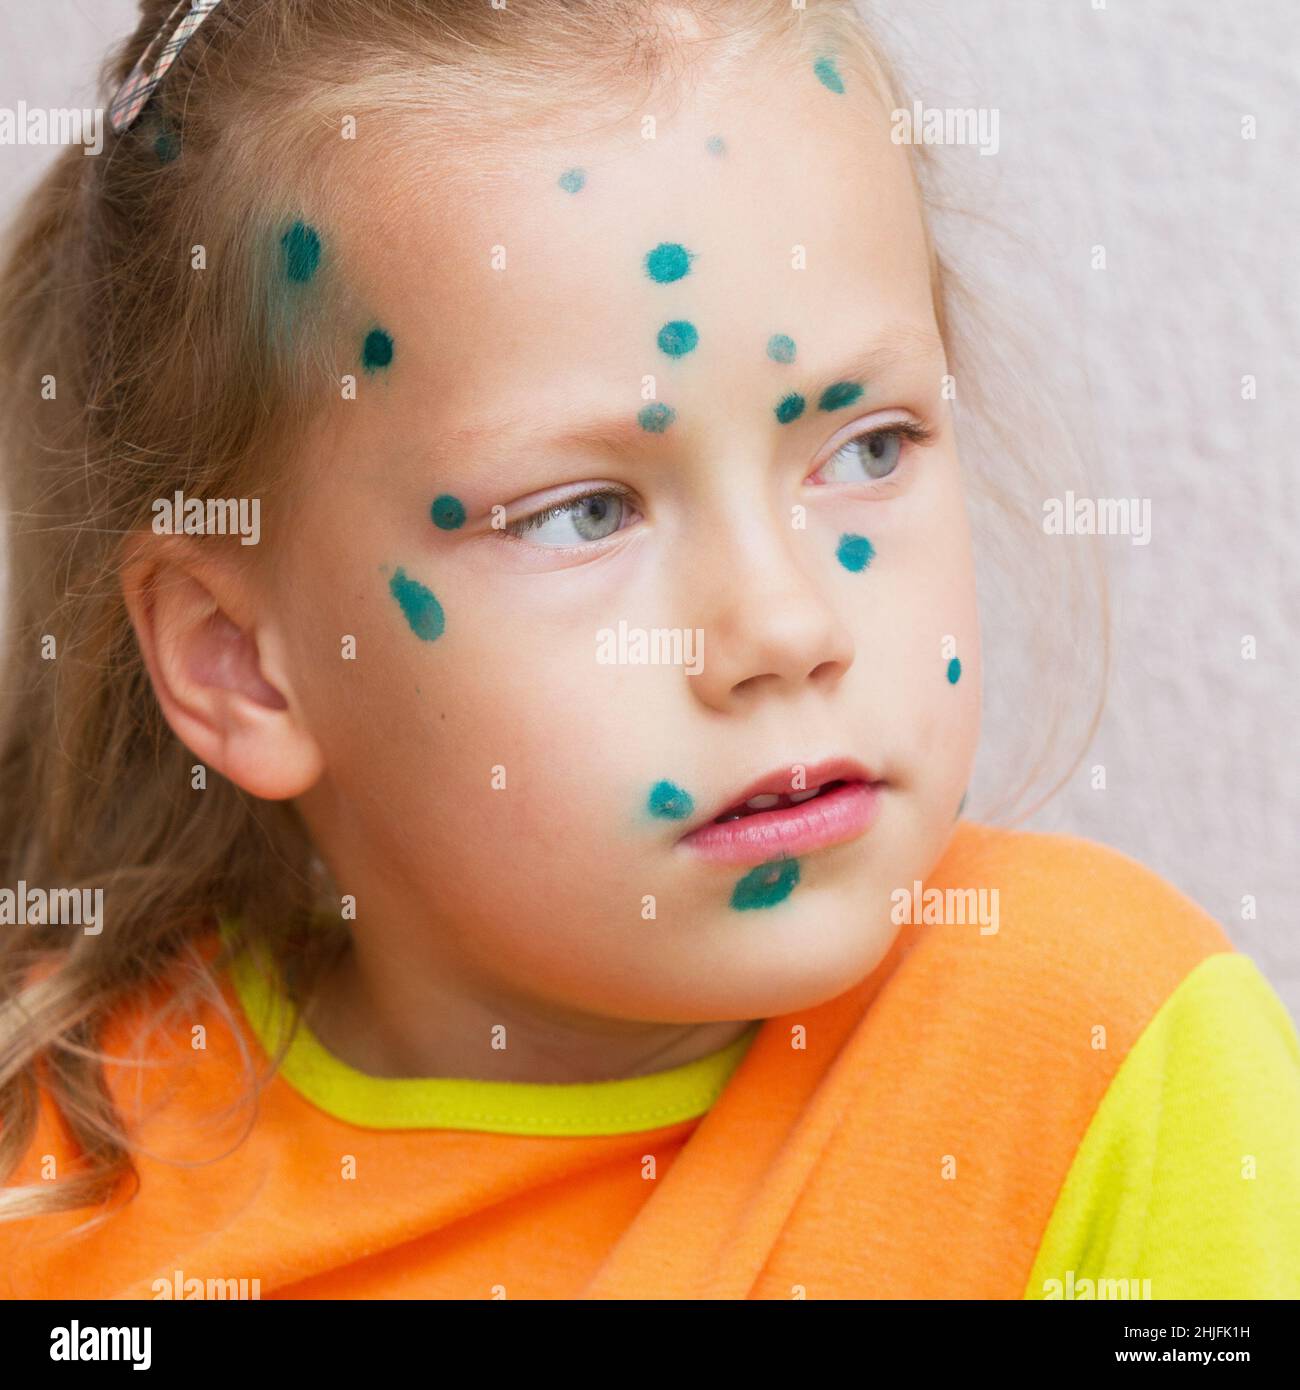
point(838, 801)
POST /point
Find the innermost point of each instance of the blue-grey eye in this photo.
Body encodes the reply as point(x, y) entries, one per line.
point(588, 518)
point(874, 455)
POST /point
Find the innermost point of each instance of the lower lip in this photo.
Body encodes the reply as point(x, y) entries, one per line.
point(828, 819)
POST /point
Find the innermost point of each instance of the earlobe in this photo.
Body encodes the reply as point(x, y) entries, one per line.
point(198, 635)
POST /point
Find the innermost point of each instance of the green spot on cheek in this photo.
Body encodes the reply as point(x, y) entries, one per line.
point(572, 180)
point(954, 671)
point(667, 262)
point(678, 338)
point(668, 800)
point(448, 512)
point(780, 348)
point(842, 393)
point(828, 75)
point(377, 351)
point(656, 417)
point(789, 408)
point(423, 612)
point(766, 885)
point(301, 247)
point(854, 552)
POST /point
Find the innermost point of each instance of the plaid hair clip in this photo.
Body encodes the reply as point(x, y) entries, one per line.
point(143, 79)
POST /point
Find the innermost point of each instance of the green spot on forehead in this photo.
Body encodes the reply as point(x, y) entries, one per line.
point(828, 75)
point(377, 350)
point(789, 407)
point(667, 262)
point(780, 348)
point(678, 338)
point(656, 417)
point(842, 393)
point(301, 248)
point(572, 180)
point(715, 145)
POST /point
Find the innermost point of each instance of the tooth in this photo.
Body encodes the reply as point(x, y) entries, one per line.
point(804, 796)
point(763, 802)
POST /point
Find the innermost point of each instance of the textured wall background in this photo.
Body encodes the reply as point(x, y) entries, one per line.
point(1122, 127)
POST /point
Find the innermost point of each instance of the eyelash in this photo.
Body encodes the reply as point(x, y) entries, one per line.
point(909, 430)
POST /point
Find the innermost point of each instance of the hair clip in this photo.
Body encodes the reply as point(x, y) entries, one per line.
point(141, 81)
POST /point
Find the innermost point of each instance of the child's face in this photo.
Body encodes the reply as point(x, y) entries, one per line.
point(492, 789)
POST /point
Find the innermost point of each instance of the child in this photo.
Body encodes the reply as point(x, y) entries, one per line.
point(493, 610)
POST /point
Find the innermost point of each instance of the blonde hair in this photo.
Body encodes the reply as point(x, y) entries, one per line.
point(167, 379)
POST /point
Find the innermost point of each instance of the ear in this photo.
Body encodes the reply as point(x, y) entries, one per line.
point(214, 666)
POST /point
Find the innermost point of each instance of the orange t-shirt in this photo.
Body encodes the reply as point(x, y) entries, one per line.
point(953, 1126)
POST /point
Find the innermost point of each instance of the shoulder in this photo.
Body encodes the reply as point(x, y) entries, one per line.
point(1067, 917)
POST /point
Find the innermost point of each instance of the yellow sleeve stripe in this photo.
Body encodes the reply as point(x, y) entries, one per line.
point(1187, 1182)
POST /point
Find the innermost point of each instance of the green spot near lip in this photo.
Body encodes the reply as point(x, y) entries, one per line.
point(670, 801)
point(766, 885)
point(656, 417)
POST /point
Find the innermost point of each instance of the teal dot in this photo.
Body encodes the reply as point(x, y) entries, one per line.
point(166, 147)
point(448, 512)
point(667, 262)
point(423, 612)
point(827, 74)
point(377, 351)
point(780, 348)
point(572, 180)
point(669, 801)
point(789, 407)
point(656, 417)
point(715, 145)
point(678, 338)
point(766, 885)
point(301, 246)
point(841, 394)
point(954, 671)
point(854, 552)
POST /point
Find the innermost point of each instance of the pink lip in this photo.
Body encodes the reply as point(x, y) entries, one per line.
point(831, 818)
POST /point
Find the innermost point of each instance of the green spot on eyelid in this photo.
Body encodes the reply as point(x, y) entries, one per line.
point(670, 801)
point(766, 885)
point(842, 393)
point(422, 610)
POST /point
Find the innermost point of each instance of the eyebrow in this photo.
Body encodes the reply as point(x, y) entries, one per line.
point(898, 344)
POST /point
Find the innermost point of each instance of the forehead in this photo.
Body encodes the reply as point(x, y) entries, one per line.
point(533, 268)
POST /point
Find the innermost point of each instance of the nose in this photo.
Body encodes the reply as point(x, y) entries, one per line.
point(770, 628)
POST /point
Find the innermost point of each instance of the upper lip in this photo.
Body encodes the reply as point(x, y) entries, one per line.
point(778, 781)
